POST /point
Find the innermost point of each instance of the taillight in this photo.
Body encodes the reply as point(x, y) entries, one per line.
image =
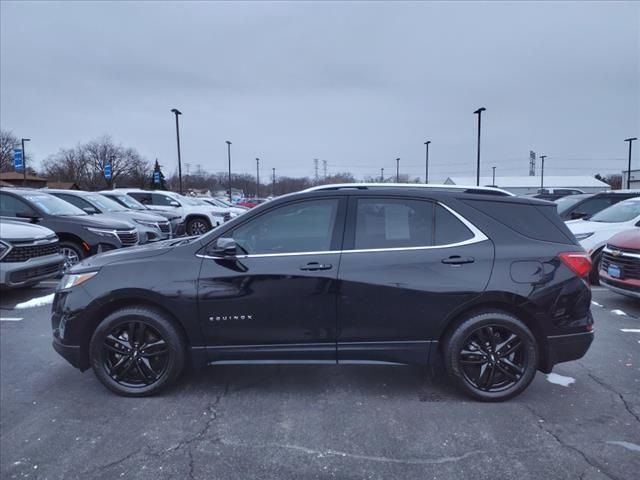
point(578, 262)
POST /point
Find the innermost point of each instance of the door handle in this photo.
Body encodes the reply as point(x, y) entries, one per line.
point(457, 260)
point(313, 266)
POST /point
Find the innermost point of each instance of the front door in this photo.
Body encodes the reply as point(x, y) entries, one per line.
point(406, 265)
point(276, 299)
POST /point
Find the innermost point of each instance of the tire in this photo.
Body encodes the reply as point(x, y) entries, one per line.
point(483, 375)
point(73, 253)
point(594, 274)
point(142, 367)
point(198, 226)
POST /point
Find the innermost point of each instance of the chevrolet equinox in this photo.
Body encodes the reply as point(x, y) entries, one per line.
point(488, 285)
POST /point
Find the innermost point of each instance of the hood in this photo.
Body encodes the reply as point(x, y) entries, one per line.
point(164, 213)
point(144, 216)
point(628, 240)
point(13, 231)
point(585, 226)
point(100, 220)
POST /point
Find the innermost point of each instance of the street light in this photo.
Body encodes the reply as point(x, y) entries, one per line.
point(426, 162)
point(257, 178)
point(542, 157)
point(229, 156)
point(24, 162)
point(493, 182)
point(630, 140)
point(177, 112)
point(273, 182)
point(382, 175)
point(397, 170)
point(479, 113)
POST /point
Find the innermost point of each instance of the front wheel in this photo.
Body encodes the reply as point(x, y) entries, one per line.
point(198, 226)
point(492, 356)
point(72, 253)
point(137, 351)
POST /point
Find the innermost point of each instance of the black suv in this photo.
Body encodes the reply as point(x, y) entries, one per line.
point(587, 204)
point(493, 285)
point(80, 234)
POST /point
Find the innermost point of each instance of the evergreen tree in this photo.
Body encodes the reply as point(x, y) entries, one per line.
point(157, 172)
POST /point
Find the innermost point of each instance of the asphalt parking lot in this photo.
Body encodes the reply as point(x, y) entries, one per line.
point(355, 422)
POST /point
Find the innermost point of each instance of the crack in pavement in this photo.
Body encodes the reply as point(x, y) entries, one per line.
point(114, 463)
point(562, 443)
point(608, 387)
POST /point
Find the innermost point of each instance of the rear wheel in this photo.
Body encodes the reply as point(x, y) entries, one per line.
point(137, 351)
point(198, 226)
point(492, 356)
point(72, 252)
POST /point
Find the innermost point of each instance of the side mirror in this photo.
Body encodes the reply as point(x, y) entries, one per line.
point(174, 203)
point(31, 216)
point(576, 215)
point(90, 210)
point(225, 247)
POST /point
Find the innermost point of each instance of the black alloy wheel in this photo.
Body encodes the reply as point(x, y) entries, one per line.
point(137, 351)
point(492, 356)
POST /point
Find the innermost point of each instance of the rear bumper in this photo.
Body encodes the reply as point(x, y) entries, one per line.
point(564, 348)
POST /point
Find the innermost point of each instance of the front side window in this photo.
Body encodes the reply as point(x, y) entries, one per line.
point(163, 200)
point(144, 198)
point(300, 227)
point(12, 207)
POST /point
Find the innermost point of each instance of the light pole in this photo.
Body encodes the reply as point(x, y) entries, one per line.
point(382, 175)
point(257, 178)
point(493, 181)
point(630, 140)
point(273, 182)
point(177, 112)
point(397, 170)
point(479, 113)
point(426, 162)
point(542, 157)
point(229, 157)
point(24, 161)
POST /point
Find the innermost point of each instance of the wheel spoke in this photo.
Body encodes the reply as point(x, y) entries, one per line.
point(507, 373)
point(128, 363)
point(501, 345)
point(512, 348)
point(147, 377)
point(115, 344)
point(518, 370)
point(469, 357)
point(154, 349)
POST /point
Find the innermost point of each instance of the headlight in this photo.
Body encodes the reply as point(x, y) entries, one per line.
point(4, 249)
point(582, 236)
point(102, 232)
point(75, 279)
point(146, 223)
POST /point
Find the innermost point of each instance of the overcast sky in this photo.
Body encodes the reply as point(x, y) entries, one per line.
point(357, 84)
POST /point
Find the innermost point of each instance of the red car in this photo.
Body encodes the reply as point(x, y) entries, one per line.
point(252, 202)
point(620, 265)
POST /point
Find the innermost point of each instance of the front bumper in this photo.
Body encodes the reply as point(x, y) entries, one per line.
point(17, 274)
point(628, 287)
point(71, 353)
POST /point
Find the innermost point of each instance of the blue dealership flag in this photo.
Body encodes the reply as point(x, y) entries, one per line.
point(107, 171)
point(18, 162)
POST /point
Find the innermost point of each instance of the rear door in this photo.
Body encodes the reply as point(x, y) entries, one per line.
point(408, 263)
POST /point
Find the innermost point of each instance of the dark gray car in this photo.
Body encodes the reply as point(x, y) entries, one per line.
point(151, 227)
point(80, 234)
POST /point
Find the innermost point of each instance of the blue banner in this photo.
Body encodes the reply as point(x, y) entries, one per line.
point(18, 163)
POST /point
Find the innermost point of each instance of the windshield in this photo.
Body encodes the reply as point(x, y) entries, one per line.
point(53, 205)
point(620, 212)
point(190, 201)
point(104, 203)
point(565, 203)
point(127, 201)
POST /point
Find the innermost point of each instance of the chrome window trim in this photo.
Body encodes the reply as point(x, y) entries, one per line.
point(478, 236)
point(608, 249)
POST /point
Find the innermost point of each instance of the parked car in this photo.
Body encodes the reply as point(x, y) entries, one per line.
point(28, 254)
point(175, 219)
point(251, 202)
point(80, 234)
point(620, 265)
point(151, 228)
point(198, 218)
point(584, 205)
point(594, 232)
point(216, 202)
point(553, 194)
point(490, 284)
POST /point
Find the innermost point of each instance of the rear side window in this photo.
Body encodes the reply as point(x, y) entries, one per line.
point(162, 200)
point(144, 198)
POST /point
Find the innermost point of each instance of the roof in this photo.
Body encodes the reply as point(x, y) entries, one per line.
point(550, 181)
point(20, 176)
point(469, 188)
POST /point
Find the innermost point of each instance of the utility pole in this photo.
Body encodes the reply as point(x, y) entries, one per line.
point(24, 161)
point(273, 183)
point(229, 156)
point(188, 165)
point(542, 157)
point(324, 168)
point(315, 169)
point(257, 178)
point(382, 175)
point(397, 170)
point(177, 112)
point(630, 140)
point(479, 113)
point(426, 163)
point(493, 182)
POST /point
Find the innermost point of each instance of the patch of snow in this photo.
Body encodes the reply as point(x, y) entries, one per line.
point(628, 445)
point(560, 380)
point(593, 302)
point(630, 330)
point(36, 302)
point(618, 312)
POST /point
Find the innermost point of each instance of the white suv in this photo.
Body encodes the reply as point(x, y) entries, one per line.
point(198, 218)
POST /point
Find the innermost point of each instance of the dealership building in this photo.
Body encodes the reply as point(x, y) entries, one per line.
point(521, 185)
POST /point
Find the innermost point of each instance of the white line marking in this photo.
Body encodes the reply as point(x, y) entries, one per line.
point(628, 445)
point(560, 380)
point(10, 319)
point(618, 312)
point(36, 302)
point(630, 330)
